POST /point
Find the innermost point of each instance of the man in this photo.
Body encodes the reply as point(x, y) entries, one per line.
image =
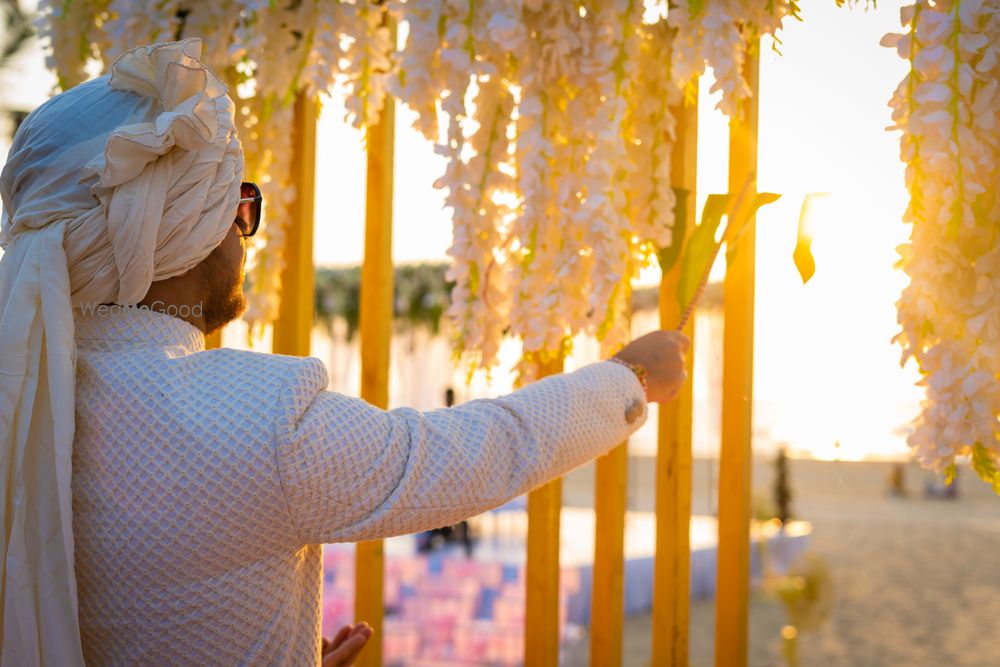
point(164, 504)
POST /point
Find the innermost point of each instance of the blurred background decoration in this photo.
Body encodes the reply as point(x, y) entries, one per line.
point(808, 594)
point(422, 293)
point(15, 37)
point(17, 31)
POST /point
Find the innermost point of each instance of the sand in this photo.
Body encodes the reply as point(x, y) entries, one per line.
point(917, 581)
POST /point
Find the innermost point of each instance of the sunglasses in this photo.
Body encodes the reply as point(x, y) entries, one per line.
point(248, 213)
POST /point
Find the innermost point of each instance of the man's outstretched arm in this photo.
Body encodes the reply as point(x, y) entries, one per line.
point(352, 472)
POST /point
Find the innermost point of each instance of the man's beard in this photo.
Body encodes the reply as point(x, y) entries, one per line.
point(224, 298)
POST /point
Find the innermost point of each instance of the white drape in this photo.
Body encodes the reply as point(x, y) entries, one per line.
point(122, 181)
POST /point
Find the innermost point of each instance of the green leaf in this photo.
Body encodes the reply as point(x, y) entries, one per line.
point(609, 318)
point(668, 256)
point(984, 464)
point(802, 255)
point(701, 248)
point(740, 223)
point(949, 474)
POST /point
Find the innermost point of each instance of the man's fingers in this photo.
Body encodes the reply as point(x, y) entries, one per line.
point(363, 630)
point(352, 648)
point(348, 651)
point(345, 632)
point(339, 638)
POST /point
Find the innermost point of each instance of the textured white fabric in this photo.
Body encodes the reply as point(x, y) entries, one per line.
point(203, 482)
point(126, 179)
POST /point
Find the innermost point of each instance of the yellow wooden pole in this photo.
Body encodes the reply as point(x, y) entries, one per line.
point(376, 331)
point(213, 340)
point(733, 581)
point(295, 312)
point(608, 589)
point(607, 602)
point(541, 618)
point(672, 568)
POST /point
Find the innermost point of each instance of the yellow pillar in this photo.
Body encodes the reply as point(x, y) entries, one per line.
point(541, 619)
point(213, 340)
point(295, 312)
point(672, 569)
point(376, 331)
point(608, 588)
point(733, 580)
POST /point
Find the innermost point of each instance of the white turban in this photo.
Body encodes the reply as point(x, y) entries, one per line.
point(124, 180)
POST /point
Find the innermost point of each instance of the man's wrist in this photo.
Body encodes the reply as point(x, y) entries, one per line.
point(638, 369)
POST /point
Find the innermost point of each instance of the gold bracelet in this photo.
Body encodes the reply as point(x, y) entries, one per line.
point(638, 369)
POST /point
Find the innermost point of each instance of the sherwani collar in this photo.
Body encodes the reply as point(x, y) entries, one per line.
point(112, 324)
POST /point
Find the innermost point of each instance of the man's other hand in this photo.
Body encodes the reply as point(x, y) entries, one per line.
point(343, 649)
point(661, 353)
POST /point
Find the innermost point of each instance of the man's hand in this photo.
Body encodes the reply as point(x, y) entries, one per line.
point(661, 353)
point(343, 649)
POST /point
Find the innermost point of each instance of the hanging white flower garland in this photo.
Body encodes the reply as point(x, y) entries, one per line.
point(554, 118)
point(267, 52)
point(947, 109)
point(556, 175)
point(718, 33)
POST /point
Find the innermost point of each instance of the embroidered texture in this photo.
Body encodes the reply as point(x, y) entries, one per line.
point(204, 481)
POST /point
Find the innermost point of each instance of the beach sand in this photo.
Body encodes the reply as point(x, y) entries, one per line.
point(917, 581)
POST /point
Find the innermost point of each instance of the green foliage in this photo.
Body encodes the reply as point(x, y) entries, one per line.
point(949, 474)
point(609, 318)
point(421, 294)
point(668, 256)
point(802, 255)
point(985, 465)
point(695, 7)
point(701, 248)
point(739, 224)
point(16, 32)
point(808, 592)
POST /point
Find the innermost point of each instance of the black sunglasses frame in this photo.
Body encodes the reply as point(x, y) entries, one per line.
point(256, 200)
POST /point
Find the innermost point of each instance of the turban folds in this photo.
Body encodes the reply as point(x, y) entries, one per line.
point(127, 179)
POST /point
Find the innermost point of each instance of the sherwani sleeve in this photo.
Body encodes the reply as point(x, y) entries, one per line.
point(351, 471)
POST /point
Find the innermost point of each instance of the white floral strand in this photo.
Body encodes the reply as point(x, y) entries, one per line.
point(947, 110)
point(652, 136)
point(719, 33)
point(68, 33)
point(553, 119)
point(418, 74)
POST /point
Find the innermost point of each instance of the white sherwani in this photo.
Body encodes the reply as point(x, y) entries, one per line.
point(205, 481)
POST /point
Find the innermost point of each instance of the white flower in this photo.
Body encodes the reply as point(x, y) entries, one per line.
point(718, 33)
point(949, 313)
point(555, 124)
